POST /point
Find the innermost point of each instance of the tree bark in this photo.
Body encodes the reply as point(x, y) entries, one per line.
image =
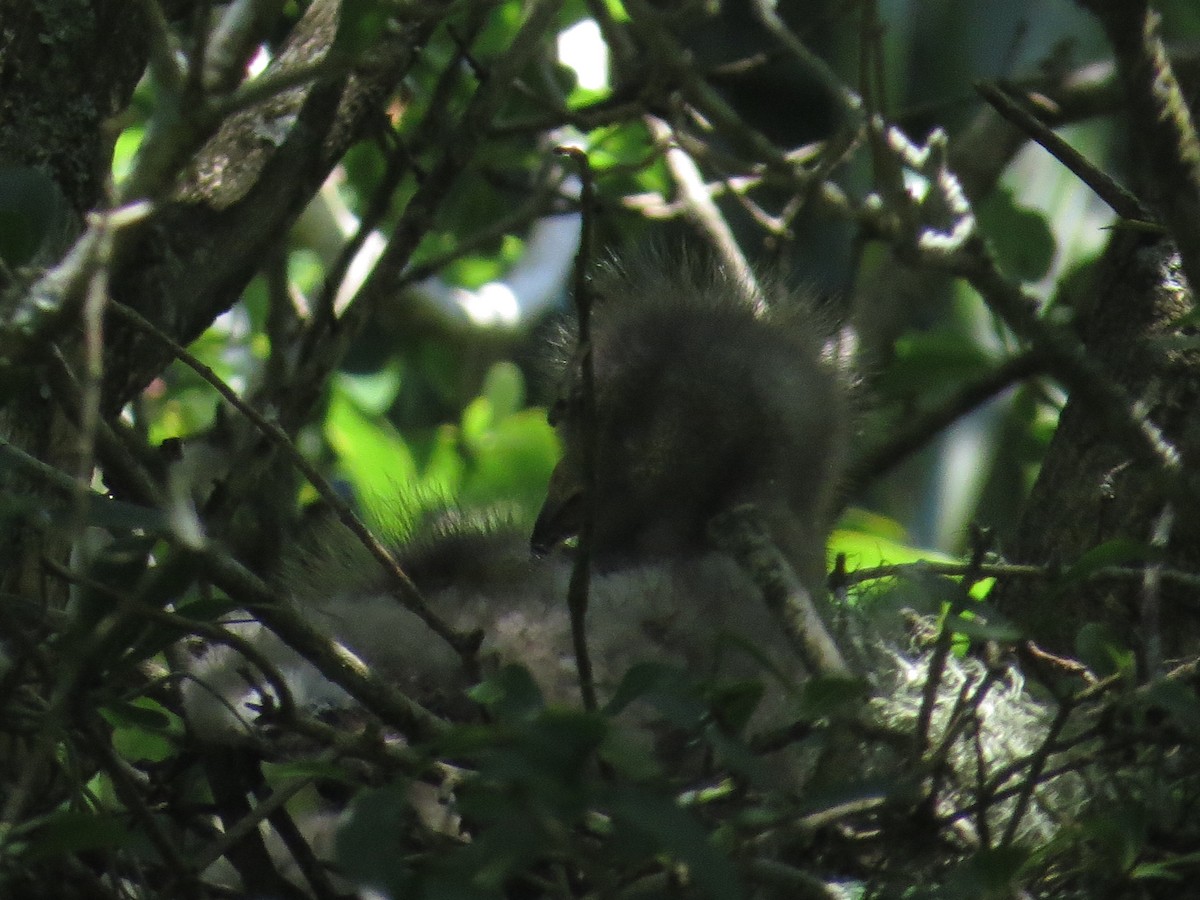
point(1091, 490)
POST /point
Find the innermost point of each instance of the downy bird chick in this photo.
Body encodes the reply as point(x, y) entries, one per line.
point(705, 398)
point(476, 573)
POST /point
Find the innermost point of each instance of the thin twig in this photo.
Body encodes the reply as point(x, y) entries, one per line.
point(333, 661)
point(701, 209)
point(941, 651)
point(240, 829)
point(131, 796)
point(577, 591)
point(1006, 570)
point(742, 533)
point(1151, 601)
point(919, 430)
point(1036, 765)
point(407, 590)
point(1161, 120)
point(1120, 200)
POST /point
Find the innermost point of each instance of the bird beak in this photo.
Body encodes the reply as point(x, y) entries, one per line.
point(561, 516)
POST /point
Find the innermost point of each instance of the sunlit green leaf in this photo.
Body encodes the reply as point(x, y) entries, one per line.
point(373, 392)
point(373, 456)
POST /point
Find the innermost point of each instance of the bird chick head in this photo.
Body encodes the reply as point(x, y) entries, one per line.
point(704, 398)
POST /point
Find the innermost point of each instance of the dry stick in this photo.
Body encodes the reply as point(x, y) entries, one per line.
point(95, 299)
point(315, 872)
point(1151, 602)
point(941, 651)
point(1071, 363)
point(336, 663)
point(961, 251)
point(197, 55)
point(408, 593)
point(816, 67)
point(964, 710)
point(131, 605)
point(397, 166)
point(130, 795)
point(698, 204)
point(516, 221)
point(983, 827)
point(456, 151)
point(256, 816)
point(1120, 200)
point(1036, 767)
point(577, 591)
point(117, 459)
point(919, 430)
point(743, 534)
point(1160, 118)
point(1006, 570)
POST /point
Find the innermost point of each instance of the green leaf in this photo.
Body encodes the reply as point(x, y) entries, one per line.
point(1117, 552)
point(990, 873)
point(680, 835)
point(667, 688)
point(369, 845)
point(206, 608)
point(361, 24)
point(511, 694)
point(1102, 650)
point(1167, 870)
point(105, 512)
point(927, 363)
point(33, 215)
point(831, 696)
point(372, 454)
point(143, 729)
point(373, 392)
point(823, 797)
point(1020, 237)
point(629, 752)
point(140, 713)
point(68, 832)
point(1120, 834)
point(982, 624)
point(307, 769)
point(1179, 702)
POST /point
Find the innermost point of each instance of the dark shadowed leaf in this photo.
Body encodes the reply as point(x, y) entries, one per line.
point(677, 833)
point(1103, 651)
point(66, 832)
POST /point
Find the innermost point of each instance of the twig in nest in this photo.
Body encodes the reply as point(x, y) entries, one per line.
point(742, 532)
